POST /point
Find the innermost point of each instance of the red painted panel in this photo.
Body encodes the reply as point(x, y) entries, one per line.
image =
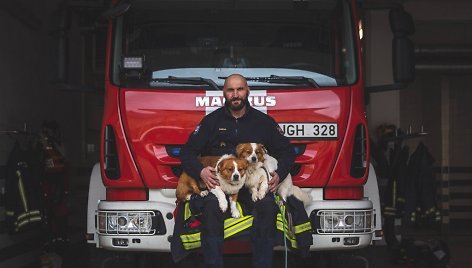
point(153, 119)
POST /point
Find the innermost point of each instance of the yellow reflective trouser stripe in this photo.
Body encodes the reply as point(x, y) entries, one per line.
point(190, 237)
point(281, 226)
point(188, 213)
point(22, 190)
point(232, 226)
point(243, 225)
point(192, 245)
point(302, 227)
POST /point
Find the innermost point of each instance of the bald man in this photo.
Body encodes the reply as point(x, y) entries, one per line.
point(219, 133)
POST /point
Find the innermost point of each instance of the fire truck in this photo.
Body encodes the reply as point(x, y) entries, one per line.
point(165, 68)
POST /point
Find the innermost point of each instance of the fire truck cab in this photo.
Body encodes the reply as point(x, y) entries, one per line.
point(166, 64)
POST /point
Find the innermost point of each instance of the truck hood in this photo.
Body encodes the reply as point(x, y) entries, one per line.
point(158, 121)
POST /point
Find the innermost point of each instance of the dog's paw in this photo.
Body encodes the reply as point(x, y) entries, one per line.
point(261, 195)
point(223, 205)
point(255, 196)
point(235, 213)
point(204, 193)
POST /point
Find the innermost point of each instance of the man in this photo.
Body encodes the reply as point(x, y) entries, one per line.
point(218, 134)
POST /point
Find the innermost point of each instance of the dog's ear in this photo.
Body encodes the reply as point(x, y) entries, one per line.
point(263, 148)
point(244, 163)
point(239, 149)
point(220, 165)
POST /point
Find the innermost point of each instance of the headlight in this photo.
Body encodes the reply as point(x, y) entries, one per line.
point(125, 222)
point(351, 221)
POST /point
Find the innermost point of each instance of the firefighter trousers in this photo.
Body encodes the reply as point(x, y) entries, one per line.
point(262, 234)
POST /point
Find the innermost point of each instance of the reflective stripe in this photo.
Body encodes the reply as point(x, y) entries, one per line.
point(239, 227)
point(9, 213)
point(232, 226)
point(28, 214)
point(302, 227)
point(193, 245)
point(281, 226)
point(19, 224)
point(187, 212)
point(22, 190)
point(190, 237)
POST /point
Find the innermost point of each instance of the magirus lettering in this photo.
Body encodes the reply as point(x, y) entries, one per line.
point(216, 101)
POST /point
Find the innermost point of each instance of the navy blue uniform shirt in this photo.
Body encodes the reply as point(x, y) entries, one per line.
point(219, 133)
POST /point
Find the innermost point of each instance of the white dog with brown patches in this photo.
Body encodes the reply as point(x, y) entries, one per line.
point(261, 164)
point(231, 174)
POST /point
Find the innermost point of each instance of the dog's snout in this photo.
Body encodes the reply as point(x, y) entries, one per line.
point(236, 177)
point(253, 159)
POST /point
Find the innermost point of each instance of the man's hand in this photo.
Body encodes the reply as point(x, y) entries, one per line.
point(274, 182)
point(209, 178)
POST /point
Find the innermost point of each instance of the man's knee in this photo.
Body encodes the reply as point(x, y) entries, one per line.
point(212, 217)
point(266, 207)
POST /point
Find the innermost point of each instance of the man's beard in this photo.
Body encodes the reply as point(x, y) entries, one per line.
point(238, 107)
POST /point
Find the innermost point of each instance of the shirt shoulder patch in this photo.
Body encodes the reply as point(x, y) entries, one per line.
point(196, 130)
point(280, 130)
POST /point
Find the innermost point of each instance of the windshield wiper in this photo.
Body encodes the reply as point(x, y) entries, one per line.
point(187, 81)
point(294, 80)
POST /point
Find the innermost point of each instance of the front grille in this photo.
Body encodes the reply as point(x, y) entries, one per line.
point(342, 221)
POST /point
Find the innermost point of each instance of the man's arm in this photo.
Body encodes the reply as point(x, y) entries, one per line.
point(190, 152)
point(283, 150)
point(193, 148)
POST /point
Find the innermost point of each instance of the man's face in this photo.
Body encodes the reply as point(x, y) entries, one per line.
point(236, 92)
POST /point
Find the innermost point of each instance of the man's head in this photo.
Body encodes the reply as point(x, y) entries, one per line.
point(236, 92)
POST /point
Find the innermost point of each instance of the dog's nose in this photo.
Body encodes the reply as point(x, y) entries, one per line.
point(235, 177)
point(254, 159)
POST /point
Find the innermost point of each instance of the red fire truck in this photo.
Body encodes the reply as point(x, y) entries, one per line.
point(166, 64)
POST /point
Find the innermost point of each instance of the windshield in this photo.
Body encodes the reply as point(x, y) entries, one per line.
point(313, 40)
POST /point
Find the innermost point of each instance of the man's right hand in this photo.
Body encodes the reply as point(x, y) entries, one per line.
point(208, 177)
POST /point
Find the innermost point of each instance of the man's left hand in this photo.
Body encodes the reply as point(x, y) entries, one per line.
point(274, 182)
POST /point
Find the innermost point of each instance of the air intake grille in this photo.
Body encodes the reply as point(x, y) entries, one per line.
point(359, 153)
point(111, 162)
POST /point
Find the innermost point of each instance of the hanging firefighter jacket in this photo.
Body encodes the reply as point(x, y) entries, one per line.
point(420, 201)
point(292, 223)
point(22, 187)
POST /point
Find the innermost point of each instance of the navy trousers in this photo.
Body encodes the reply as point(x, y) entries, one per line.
point(262, 233)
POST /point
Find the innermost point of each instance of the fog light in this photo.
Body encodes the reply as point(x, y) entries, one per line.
point(351, 241)
point(349, 220)
point(120, 242)
point(122, 221)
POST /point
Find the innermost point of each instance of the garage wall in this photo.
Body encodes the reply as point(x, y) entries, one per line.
point(24, 70)
point(31, 90)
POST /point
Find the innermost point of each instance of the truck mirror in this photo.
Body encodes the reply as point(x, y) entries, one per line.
point(401, 24)
point(403, 60)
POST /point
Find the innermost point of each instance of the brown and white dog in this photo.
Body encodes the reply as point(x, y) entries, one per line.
point(257, 156)
point(231, 174)
point(257, 176)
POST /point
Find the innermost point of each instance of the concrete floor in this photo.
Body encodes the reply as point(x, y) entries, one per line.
point(78, 254)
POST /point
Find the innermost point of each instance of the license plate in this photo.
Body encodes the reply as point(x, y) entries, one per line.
point(310, 130)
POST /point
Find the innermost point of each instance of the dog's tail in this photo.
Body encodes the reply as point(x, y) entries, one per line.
point(301, 195)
